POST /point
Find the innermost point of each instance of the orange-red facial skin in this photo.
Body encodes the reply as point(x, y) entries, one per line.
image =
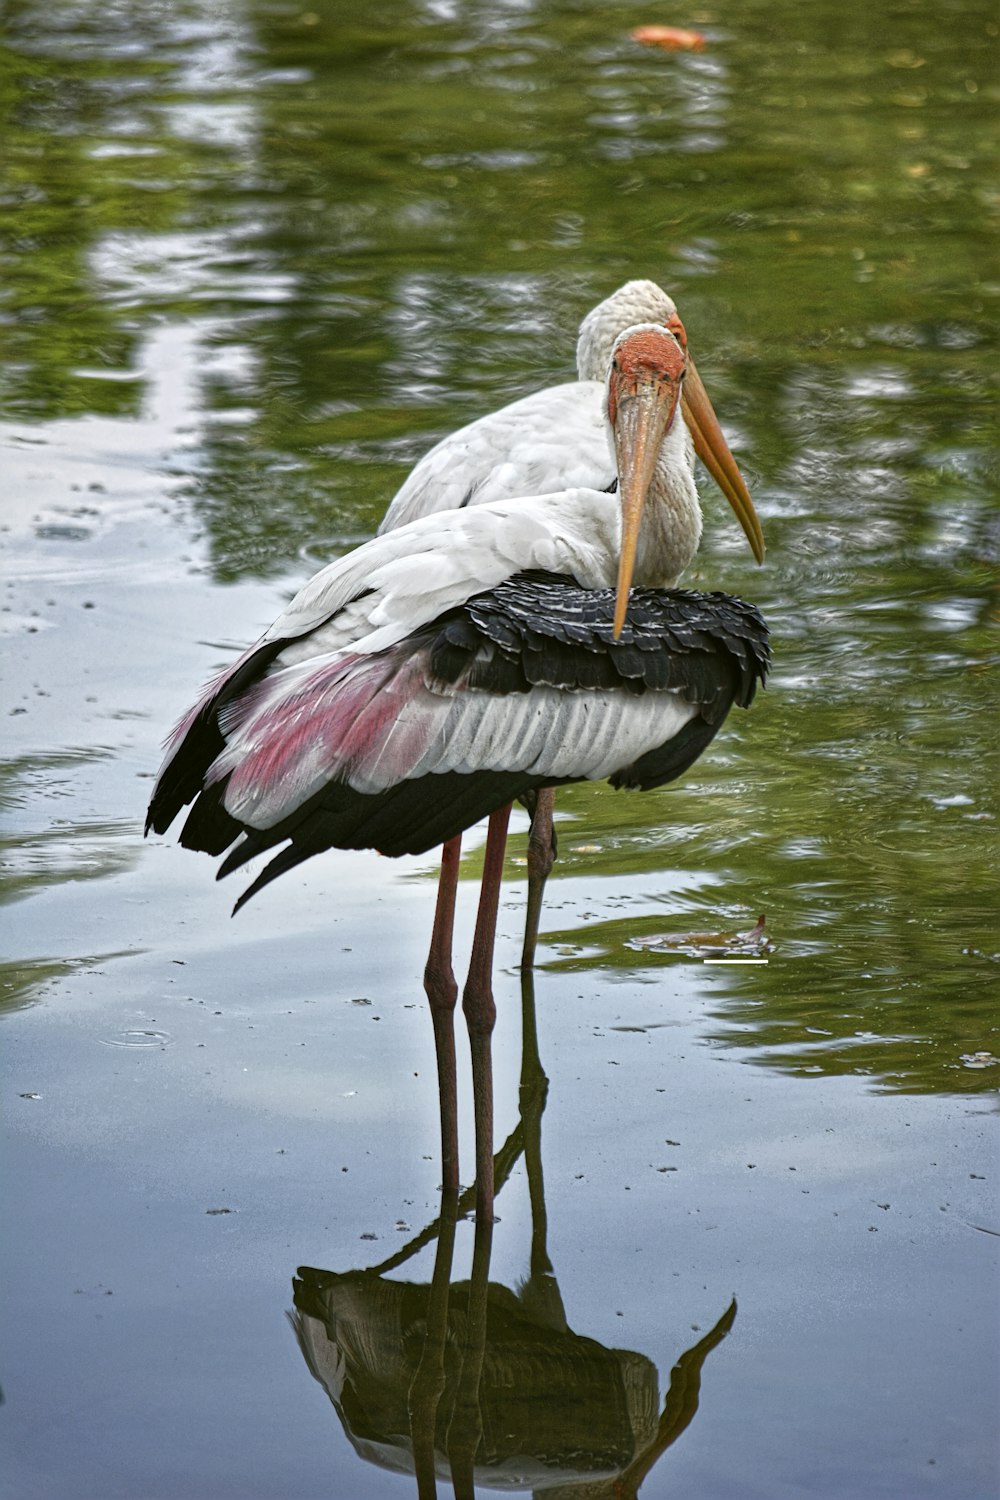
point(674, 325)
point(641, 358)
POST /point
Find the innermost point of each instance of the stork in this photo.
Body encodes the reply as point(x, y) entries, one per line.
point(473, 656)
point(551, 440)
point(557, 438)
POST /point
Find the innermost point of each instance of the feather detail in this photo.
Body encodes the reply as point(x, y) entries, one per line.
point(554, 439)
point(521, 686)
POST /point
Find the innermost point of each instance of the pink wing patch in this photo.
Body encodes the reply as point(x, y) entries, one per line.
point(294, 732)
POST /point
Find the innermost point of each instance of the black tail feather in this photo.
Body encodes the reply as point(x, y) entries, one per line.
point(182, 778)
point(535, 629)
point(410, 818)
point(286, 860)
point(208, 826)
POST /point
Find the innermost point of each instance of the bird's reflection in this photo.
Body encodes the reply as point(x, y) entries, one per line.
point(476, 1384)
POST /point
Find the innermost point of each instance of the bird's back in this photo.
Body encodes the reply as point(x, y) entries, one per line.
point(555, 439)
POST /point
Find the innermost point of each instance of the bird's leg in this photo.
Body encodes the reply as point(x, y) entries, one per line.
point(480, 1011)
point(541, 858)
point(442, 993)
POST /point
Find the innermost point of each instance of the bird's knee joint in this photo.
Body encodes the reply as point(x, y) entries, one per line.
point(441, 990)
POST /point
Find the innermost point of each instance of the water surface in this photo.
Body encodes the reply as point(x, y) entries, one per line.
point(256, 259)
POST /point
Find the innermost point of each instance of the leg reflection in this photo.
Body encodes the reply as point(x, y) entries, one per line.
point(429, 1380)
point(479, 1384)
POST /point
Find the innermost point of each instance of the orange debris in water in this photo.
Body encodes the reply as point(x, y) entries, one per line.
point(671, 37)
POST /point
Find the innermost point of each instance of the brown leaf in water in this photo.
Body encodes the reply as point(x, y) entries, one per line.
point(673, 38)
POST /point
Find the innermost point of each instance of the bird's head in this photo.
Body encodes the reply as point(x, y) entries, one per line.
point(634, 303)
point(650, 377)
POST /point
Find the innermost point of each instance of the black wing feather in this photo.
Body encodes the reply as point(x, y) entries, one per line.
point(545, 630)
point(535, 629)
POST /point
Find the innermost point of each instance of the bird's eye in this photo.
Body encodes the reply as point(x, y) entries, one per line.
point(676, 327)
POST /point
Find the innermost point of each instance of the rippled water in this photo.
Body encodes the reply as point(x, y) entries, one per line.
point(257, 257)
point(376, 231)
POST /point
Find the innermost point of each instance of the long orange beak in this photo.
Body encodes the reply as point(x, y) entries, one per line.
point(642, 416)
point(713, 450)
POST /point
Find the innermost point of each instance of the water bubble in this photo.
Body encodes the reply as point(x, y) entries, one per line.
point(140, 1040)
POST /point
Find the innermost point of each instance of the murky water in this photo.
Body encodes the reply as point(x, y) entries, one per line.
point(256, 258)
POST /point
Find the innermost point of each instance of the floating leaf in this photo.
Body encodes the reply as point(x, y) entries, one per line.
point(673, 38)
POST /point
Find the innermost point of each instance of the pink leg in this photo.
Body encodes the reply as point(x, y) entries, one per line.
point(480, 1011)
point(541, 858)
point(442, 993)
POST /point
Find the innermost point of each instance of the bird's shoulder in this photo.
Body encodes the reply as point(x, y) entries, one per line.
point(551, 439)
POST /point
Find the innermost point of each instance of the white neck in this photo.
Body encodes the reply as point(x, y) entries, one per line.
point(671, 519)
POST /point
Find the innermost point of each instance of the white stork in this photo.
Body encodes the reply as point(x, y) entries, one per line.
point(473, 656)
point(555, 439)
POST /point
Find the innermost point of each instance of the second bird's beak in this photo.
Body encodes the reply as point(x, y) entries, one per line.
point(713, 450)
